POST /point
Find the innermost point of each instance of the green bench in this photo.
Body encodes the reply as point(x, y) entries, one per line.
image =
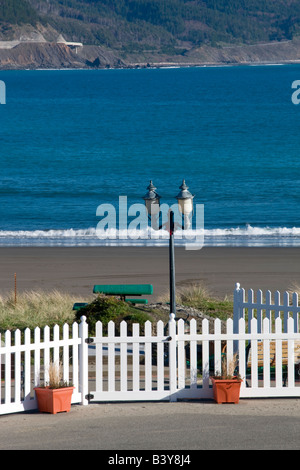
point(79, 305)
point(121, 290)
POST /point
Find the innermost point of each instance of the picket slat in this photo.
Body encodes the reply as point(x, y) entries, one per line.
point(66, 361)
point(123, 358)
point(254, 356)
point(278, 344)
point(266, 349)
point(181, 356)
point(37, 356)
point(99, 357)
point(148, 358)
point(75, 356)
point(18, 366)
point(193, 355)
point(205, 356)
point(291, 346)
point(160, 357)
point(27, 365)
point(46, 353)
point(242, 353)
point(135, 359)
point(217, 347)
point(7, 367)
point(111, 358)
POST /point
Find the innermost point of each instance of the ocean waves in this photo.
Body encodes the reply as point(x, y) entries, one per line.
point(235, 236)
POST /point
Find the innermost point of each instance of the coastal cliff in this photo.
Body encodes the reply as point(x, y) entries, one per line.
point(46, 55)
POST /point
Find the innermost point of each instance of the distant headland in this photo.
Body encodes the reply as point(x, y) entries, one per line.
point(36, 53)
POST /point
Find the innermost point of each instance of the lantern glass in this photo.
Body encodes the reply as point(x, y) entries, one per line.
point(185, 206)
point(152, 206)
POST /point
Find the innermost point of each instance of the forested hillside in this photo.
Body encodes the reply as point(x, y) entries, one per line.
point(134, 24)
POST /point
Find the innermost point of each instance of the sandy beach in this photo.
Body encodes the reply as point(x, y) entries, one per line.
point(76, 270)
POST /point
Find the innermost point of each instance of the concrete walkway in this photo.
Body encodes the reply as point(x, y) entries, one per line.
point(164, 426)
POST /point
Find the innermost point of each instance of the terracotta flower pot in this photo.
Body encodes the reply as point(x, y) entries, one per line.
point(54, 400)
point(226, 391)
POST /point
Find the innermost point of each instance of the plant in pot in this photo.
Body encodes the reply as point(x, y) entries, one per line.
point(227, 383)
point(55, 396)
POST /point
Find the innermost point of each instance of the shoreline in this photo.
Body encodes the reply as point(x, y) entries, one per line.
point(76, 270)
point(162, 65)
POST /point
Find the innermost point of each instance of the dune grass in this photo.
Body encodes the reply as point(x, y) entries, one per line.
point(36, 308)
point(199, 297)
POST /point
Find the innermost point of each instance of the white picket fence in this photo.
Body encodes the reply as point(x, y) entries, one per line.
point(164, 362)
point(261, 307)
point(24, 364)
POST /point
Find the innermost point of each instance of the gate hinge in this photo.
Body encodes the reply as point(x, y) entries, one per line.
point(89, 396)
point(89, 340)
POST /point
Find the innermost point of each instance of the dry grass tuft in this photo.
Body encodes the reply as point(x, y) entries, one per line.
point(36, 308)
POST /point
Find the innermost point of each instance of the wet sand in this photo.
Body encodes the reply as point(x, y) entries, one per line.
point(76, 270)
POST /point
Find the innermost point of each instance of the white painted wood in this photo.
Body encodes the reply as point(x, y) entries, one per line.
point(217, 347)
point(27, 365)
point(99, 357)
point(37, 356)
point(205, 356)
point(66, 359)
point(160, 356)
point(7, 367)
point(181, 356)
point(148, 357)
point(18, 367)
point(291, 359)
point(123, 359)
point(75, 356)
point(266, 349)
point(193, 355)
point(111, 358)
point(136, 358)
point(46, 353)
point(242, 353)
point(278, 367)
point(229, 348)
point(254, 366)
point(259, 313)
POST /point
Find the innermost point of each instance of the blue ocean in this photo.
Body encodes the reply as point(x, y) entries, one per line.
point(71, 140)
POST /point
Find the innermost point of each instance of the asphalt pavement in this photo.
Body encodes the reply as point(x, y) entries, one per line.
point(158, 428)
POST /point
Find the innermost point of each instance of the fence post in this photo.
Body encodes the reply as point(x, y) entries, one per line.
point(236, 312)
point(236, 307)
point(172, 358)
point(83, 361)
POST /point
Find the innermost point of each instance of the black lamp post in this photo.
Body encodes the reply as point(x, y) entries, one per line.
point(185, 203)
point(172, 265)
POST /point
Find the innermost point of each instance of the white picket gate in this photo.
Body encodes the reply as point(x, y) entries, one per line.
point(167, 375)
